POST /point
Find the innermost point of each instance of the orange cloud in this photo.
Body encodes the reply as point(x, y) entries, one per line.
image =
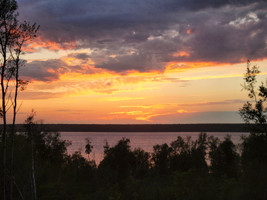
point(146, 113)
point(143, 106)
point(188, 31)
point(136, 115)
point(182, 111)
point(121, 98)
point(37, 43)
point(174, 67)
point(51, 70)
point(181, 54)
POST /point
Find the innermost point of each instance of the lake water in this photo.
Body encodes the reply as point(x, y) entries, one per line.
point(144, 140)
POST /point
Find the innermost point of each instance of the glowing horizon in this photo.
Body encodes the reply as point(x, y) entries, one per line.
point(138, 97)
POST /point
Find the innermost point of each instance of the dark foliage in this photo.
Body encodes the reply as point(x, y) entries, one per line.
point(205, 168)
point(224, 158)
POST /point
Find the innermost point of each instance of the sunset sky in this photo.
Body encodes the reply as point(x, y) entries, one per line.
point(141, 61)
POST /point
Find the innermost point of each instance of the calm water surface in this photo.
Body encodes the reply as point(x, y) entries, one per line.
point(144, 140)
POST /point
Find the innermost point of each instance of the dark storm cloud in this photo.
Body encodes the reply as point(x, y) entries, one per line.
point(144, 35)
point(80, 56)
point(140, 62)
point(202, 4)
point(49, 70)
point(44, 70)
point(228, 39)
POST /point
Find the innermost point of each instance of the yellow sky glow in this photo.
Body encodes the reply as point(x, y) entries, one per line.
point(95, 95)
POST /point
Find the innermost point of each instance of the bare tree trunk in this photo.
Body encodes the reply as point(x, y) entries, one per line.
point(34, 195)
point(30, 31)
point(4, 124)
point(13, 131)
point(20, 193)
point(4, 47)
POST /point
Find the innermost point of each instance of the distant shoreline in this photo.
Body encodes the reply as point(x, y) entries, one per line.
point(145, 127)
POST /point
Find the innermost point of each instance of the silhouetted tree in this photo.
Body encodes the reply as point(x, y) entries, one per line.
point(13, 35)
point(88, 147)
point(161, 157)
point(8, 24)
point(224, 158)
point(254, 112)
point(254, 165)
point(24, 32)
point(142, 164)
point(254, 146)
point(118, 159)
point(31, 132)
point(199, 151)
point(181, 155)
point(188, 154)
